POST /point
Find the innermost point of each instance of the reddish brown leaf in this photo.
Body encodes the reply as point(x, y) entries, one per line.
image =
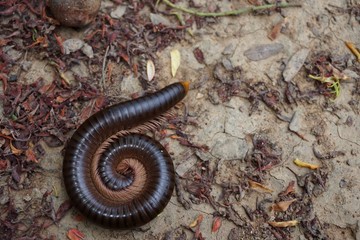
point(4, 136)
point(74, 234)
point(199, 55)
point(4, 80)
point(3, 42)
point(16, 173)
point(60, 43)
point(290, 188)
point(258, 186)
point(125, 57)
point(61, 99)
point(8, 11)
point(63, 209)
point(136, 70)
point(79, 217)
point(274, 33)
point(46, 88)
point(282, 206)
point(109, 71)
point(30, 156)
point(91, 35)
point(216, 224)
point(3, 164)
point(100, 102)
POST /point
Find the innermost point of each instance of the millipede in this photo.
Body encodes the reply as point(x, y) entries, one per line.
point(115, 175)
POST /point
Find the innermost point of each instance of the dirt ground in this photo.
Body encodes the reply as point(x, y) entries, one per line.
point(246, 121)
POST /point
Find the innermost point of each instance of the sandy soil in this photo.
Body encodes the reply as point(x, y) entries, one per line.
point(230, 128)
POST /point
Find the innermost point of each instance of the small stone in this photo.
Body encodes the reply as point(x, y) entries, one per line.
point(12, 78)
point(302, 237)
point(72, 45)
point(204, 156)
point(263, 51)
point(37, 193)
point(105, 4)
point(213, 97)
point(342, 183)
point(118, 12)
point(13, 54)
point(295, 122)
point(130, 85)
point(87, 50)
point(353, 162)
point(353, 152)
point(199, 96)
point(351, 74)
point(27, 198)
point(157, 19)
point(26, 65)
point(295, 63)
point(227, 64)
point(80, 70)
point(4, 200)
point(184, 166)
point(227, 147)
point(229, 49)
point(199, 3)
point(74, 13)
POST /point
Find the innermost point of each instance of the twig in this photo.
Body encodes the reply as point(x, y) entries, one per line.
point(353, 49)
point(103, 69)
point(230, 13)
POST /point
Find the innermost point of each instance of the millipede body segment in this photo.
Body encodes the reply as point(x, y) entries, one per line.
point(119, 179)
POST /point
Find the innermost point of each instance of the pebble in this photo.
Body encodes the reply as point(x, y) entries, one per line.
point(27, 198)
point(295, 63)
point(184, 166)
point(229, 49)
point(342, 183)
point(118, 12)
point(227, 147)
point(157, 19)
point(72, 45)
point(12, 78)
point(4, 200)
point(295, 124)
point(13, 54)
point(351, 74)
point(199, 95)
point(87, 50)
point(204, 156)
point(263, 51)
point(227, 64)
point(353, 162)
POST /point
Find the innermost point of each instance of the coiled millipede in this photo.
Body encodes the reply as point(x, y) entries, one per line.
point(116, 176)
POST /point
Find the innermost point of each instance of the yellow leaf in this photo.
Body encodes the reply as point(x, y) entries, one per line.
point(291, 223)
point(150, 70)
point(14, 150)
point(306, 165)
point(197, 221)
point(282, 206)
point(175, 61)
point(256, 185)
